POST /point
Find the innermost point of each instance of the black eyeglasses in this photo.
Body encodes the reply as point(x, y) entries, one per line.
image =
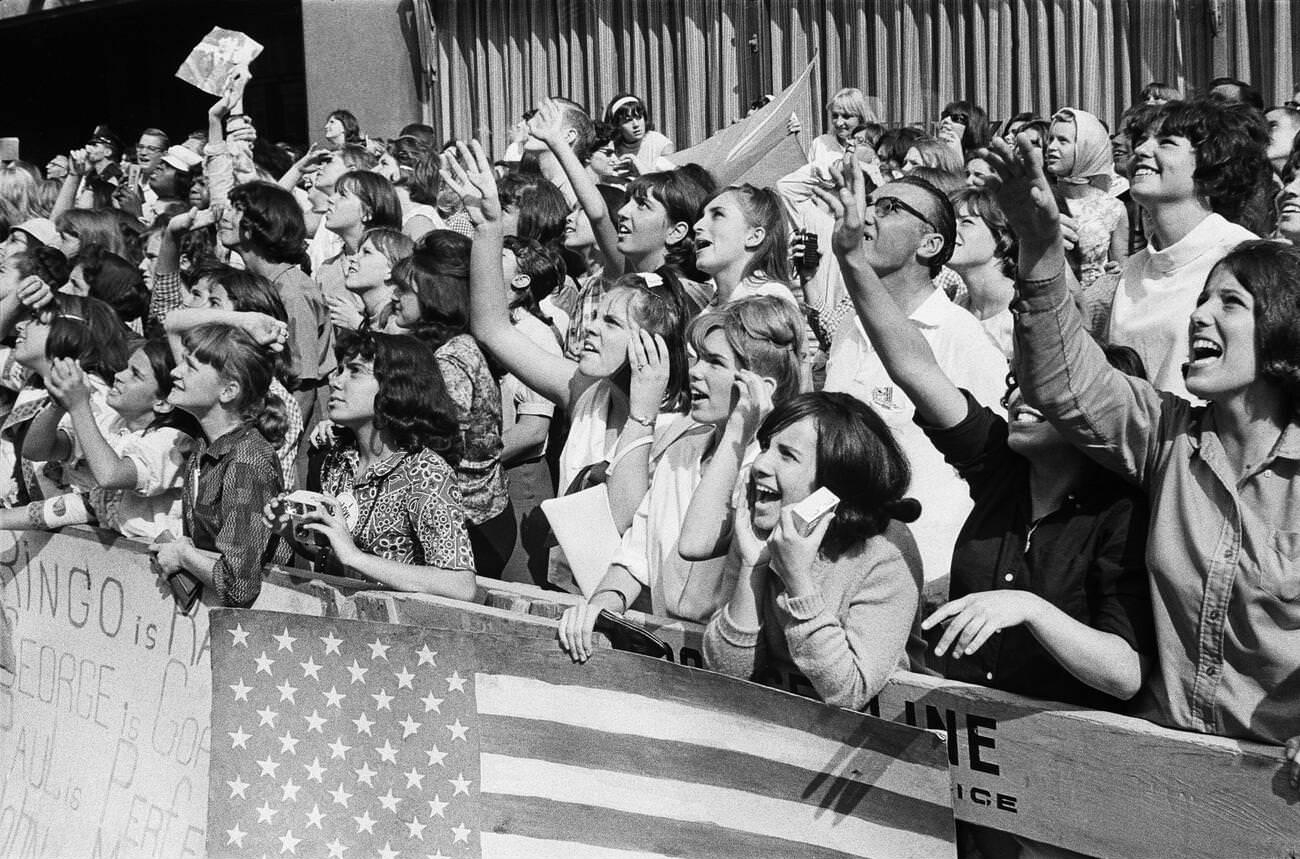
point(957, 117)
point(886, 206)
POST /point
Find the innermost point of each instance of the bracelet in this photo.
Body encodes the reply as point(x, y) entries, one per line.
point(645, 422)
point(619, 594)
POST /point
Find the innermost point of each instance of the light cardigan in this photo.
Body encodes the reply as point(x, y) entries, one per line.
point(845, 639)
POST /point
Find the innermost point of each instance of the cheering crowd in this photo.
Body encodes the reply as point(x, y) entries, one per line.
point(1048, 371)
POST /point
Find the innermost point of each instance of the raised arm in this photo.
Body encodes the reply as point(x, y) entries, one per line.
point(707, 527)
point(1062, 371)
point(903, 350)
point(547, 126)
point(552, 376)
point(67, 385)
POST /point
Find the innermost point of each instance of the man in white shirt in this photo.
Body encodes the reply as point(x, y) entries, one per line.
point(909, 230)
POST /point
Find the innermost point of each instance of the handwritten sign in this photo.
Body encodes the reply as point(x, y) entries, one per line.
point(104, 709)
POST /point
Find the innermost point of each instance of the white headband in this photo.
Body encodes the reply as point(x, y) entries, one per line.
point(624, 102)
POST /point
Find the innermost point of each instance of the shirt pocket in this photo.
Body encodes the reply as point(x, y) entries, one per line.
point(1280, 566)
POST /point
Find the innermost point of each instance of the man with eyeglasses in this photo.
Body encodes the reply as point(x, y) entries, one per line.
point(910, 229)
point(149, 151)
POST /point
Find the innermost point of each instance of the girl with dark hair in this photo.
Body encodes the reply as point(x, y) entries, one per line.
point(431, 300)
point(105, 275)
point(635, 140)
point(653, 229)
point(633, 364)
point(129, 475)
point(746, 352)
point(984, 254)
point(1221, 478)
point(832, 611)
point(1194, 164)
point(224, 380)
point(1051, 555)
point(88, 332)
point(264, 225)
point(393, 513)
point(417, 187)
point(342, 129)
point(361, 200)
point(964, 125)
point(742, 242)
point(532, 208)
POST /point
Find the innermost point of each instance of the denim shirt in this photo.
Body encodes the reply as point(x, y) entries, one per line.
point(1223, 552)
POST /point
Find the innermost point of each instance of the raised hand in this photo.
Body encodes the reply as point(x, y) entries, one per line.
point(547, 124)
point(752, 548)
point(1022, 190)
point(469, 174)
point(647, 354)
point(751, 405)
point(66, 383)
point(793, 553)
point(846, 203)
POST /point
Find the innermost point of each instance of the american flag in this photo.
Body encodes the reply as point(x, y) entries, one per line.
point(334, 738)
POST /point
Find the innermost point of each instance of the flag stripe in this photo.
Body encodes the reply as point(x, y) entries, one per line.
point(671, 800)
point(667, 759)
point(716, 694)
point(661, 719)
point(558, 823)
point(502, 846)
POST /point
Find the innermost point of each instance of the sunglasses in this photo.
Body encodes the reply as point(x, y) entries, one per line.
point(886, 206)
point(957, 117)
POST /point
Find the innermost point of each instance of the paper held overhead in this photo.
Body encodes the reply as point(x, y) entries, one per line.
point(221, 52)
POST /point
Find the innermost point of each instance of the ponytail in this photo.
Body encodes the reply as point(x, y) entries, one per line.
point(905, 510)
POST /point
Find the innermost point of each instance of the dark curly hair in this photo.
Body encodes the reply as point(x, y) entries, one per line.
point(542, 209)
point(858, 459)
point(1230, 142)
point(1269, 271)
point(438, 274)
point(272, 225)
point(114, 280)
point(88, 331)
point(412, 405)
point(49, 264)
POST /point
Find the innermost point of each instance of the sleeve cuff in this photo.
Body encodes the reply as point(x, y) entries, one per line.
point(802, 608)
point(732, 633)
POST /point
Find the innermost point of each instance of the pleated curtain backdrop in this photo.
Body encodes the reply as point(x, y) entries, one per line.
point(700, 63)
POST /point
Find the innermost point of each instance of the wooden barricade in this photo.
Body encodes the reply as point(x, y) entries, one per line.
point(104, 737)
point(1098, 783)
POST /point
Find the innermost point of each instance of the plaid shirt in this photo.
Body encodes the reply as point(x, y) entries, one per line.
point(227, 483)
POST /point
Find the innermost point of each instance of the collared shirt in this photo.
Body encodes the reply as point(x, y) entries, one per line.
point(407, 507)
point(227, 483)
point(1087, 558)
point(477, 397)
point(311, 334)
point(971, 361)
point(1223, 552)
point(1157, 293)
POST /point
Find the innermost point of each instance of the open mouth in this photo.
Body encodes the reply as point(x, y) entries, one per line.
point(1204, 351)
point(1026, 415)
point(698, 396)
point(1143, 170)
point(765, 494)
point(701, 244)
